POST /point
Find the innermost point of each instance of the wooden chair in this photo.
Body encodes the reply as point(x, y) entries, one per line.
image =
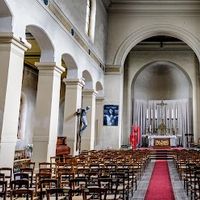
point(95, 193)
point(77, 187)
point(20, 183)
point(21, 175)
point(44, 185)
point(8, 174)
point(45, 165)
point(57, 193)
point(29, 171)
point(122, 188)
point(3, 189)
point(111, 185)
point(64, 179)
point(38, 178)
point(25, 194)
point(2, 177)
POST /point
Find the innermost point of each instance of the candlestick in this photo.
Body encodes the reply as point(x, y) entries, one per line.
point(156, 114)
point(151, 113)
point(167, 113)
point(172, 114)
point(176, 113)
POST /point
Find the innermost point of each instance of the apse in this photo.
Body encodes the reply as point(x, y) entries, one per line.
point(162, 101)
point(161, 80)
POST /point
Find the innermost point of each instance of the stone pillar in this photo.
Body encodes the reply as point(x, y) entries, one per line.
point(99, 122)
point(112, 135)
point(47, 109)
point(87, 137)
point(11, 73)
point(73, 97)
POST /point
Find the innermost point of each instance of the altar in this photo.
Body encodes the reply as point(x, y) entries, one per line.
point(162, 140)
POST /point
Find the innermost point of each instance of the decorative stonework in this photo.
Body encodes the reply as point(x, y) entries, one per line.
point(143, 7)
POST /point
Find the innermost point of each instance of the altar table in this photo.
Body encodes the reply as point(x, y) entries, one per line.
point(172, 139)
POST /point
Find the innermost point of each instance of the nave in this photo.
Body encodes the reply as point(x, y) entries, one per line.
point(114, 174)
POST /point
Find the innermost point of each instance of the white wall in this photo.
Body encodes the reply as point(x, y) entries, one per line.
point(76, 13)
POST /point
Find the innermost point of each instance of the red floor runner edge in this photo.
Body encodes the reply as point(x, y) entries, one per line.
point(160, 187)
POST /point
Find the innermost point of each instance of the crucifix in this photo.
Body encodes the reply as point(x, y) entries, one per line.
point(162, 104)
point(162, 127)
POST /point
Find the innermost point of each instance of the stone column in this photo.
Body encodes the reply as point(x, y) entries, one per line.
point(73, 98)
point(99, 122)
point(11, 72)
point(112, 135)
point(87, 137)
point(47, 109)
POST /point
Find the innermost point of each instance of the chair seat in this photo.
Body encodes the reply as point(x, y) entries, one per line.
point(112, 196)
point(80, 197)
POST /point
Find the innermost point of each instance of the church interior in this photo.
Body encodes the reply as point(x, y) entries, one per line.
point(102, 93)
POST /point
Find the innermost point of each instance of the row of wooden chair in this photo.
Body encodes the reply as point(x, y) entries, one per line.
point(188, 166)
point(124, 166)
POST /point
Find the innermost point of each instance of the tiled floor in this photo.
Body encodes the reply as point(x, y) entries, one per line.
point(139, 194)
point(177, 185)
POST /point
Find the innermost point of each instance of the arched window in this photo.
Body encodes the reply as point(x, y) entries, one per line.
point(90, 18)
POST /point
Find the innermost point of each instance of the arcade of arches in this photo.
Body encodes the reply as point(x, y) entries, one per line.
point(141, 64)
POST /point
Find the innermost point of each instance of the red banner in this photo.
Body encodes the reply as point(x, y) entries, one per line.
point(135, 136)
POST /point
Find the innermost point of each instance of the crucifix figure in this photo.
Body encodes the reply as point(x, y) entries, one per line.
point(162, 127)
point(162, 104)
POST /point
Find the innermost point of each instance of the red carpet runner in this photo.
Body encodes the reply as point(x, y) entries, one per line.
point(160, 187)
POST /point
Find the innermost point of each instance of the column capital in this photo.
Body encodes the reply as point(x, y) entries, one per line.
point(100, 98)
point(49, 66)
point(9, 38)
point(74, 82)
point(89, 92)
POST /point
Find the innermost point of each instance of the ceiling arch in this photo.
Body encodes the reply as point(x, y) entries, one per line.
point(155, 30)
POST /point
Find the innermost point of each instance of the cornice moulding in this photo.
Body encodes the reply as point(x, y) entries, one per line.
point(187, 7)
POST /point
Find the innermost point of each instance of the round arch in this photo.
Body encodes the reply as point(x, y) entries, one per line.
point(155, 30)
point(161, 62)
point(179, 81)
point(99, 88)
point(71, 65)
point(44, 42)
point(88, 79)
point(5, 17)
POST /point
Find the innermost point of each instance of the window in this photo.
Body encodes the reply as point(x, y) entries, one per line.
point(90, 18)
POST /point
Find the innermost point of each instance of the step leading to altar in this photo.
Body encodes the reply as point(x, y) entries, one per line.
point(162, 154)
